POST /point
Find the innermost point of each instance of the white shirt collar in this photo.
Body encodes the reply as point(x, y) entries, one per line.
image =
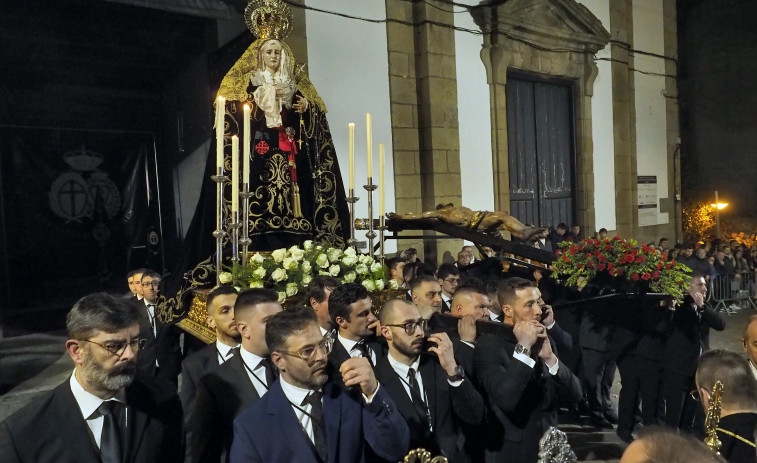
point(139, 298)
point(324, 331)
point(753, 368)
point(492, 315)
point(252, 360)
point(348, 344)
point(224, 349)
point(87, 401)
point(294, 394)
point(446, 299)
point(402, 369)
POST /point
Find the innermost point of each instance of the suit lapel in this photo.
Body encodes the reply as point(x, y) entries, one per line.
point(332, 410)
point(391, 380)
point(76, 438)
point(281, 413)
point(138, 422)
point(247, 391)
point(429, 385)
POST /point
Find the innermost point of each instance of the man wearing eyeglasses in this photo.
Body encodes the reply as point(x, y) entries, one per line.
point(432, 393)
point(161, 355)
point(311, 418)
point(102, 413)
point(449, 279)
point(242, 379)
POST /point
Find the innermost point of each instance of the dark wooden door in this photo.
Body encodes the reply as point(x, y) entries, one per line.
point(541, 151)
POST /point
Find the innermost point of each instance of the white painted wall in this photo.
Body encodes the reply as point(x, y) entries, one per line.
point(348, 64)
point(651, 122)
point(602, 130)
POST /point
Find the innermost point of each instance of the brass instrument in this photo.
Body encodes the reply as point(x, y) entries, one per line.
point(423, 456)
point(713, 418)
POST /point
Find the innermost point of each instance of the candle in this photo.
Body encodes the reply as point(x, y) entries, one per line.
point(220, 109)
point(351, 126)
point(369, 130)
point(381, 180)
point(246, 147)
point(234, 174)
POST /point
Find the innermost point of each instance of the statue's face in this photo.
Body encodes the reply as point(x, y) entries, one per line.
point(271, 55)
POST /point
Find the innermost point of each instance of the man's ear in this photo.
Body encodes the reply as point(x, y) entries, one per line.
point(314, 303)
point(385, 332)
point(415, 297)
point(243, 329)
point(74, 350)
point(278, 360)
point(743, 344)
point(210, 322)
point(341, 321)
point(507, 310)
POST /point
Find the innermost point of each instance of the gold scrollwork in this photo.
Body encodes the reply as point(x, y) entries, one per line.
point(423, 456)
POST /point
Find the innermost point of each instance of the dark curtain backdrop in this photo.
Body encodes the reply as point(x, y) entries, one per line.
point(79, 208)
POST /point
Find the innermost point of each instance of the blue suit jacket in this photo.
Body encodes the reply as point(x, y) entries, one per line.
point(269, 432)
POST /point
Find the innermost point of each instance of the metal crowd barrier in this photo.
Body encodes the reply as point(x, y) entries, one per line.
point(732, 293)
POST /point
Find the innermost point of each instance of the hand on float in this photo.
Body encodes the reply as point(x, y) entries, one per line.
point(444, 351)
point(466, 328)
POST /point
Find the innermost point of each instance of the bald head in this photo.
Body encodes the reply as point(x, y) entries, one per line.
point(749, 340)
point(662, 445)
point(392, 307)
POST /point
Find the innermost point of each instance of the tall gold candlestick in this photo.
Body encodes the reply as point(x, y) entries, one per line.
point(351, 126)
point(369, 132)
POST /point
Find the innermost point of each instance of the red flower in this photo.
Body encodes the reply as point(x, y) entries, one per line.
point(597, 253)
point(646, 276)
point(617, 238)
point(590, 263)
point(600, 267)
point(565, 258)
point(602, 258)
point(668, 266)
point(640, 260)
point(620, 272)
point(635, 252)
point(645, 248)
point(611, 267)
point(635, 277)
point(659, 265)
point(608, 247)
point(580, 266)
point(656, 275)
point(680, 283)
point(559, 252)
point(572, 250)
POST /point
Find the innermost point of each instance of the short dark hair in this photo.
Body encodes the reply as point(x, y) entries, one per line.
point(688, 246)
point(425, 269)
point(446, 270)
point(220, 291)
point(669, 446)
point(470, 289)
point(410, 269)
point(562, 226)
point(471, 282)
point(99, 312)
point(392, 263)
point(506, 292)
point(318, 286)
point(139, 270)
point(249, 298)
point(411, 251)
point(284, 324)
point(731, 369)
point(151, 274)
point(131, 273)
point(342, 297)
point(602, 230)
point(420, 280)
point(662, 239)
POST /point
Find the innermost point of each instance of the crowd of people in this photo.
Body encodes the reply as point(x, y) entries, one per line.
point(336, 379)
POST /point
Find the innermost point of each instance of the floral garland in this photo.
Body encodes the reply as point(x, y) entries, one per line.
point(289, 271)
point(590, 258)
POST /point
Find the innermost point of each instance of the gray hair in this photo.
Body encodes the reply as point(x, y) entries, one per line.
point(99, 312)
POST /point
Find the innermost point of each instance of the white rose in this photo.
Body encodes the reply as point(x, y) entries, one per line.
point(256, 284)
point(297, 254)
point(334, 270)
point(350, 252)
point(324, 273)
point(322, 260)
point(289, 264)
point(350, 277)
point(291, 289)
point(368, 284)
point(278, 255)
point(375, 267)
point(361, 269)
point(366, 259)
point(380, 285)
point(334, 254)
point(224, 277)
point(393, 284)
point(279, 275)
point(259, 272)
point(257, 258)
point(282, 297)
point(349, 261)
point(306, 280)
point(307, 245)
point(306, 267)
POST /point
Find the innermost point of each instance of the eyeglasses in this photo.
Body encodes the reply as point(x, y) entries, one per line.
point(308, 353)
point(694, 395)
point(152, 284)
point(118, 348)
point(410, 327)
point(452, 281)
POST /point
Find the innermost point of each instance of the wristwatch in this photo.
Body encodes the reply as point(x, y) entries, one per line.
point(522, 350)
point(459, 374)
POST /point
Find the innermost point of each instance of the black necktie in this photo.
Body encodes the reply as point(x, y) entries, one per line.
point(110, 440)
point(270, 375)
point(415, 395)
point(365, 350)
point(316, 420)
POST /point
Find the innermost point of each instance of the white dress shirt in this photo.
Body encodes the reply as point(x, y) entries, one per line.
point(151, 315)
point(351, 347)
point(296, 395)
point(223, 352)
point(257, 379)
point(88, 404)
point(532, 363)
point(754, 370)
point(496, 318)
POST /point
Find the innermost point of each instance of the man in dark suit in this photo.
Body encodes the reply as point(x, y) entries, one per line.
point(232, 387)
point(426, 294)
point(521, 377)
point(683, 346)
point(102, 413)
point(449, 279)
point(161, 355)
point(313, 419)
point(220, 308)
point(318, 294)
point(350, 309)
point(738, 406)
point(432, 393)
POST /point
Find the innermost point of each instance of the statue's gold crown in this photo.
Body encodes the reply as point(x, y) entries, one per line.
point(268, 19)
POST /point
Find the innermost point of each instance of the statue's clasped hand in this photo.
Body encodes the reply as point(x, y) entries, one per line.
point(302, 104)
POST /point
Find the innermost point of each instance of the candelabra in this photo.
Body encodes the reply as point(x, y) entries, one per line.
point(219, 234)
point(371, 233)
point(245, 241)
point(352, 199)
point(382, 227)
point(234, 226)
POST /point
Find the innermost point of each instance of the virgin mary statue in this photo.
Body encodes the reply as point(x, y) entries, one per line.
point(296, 190)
